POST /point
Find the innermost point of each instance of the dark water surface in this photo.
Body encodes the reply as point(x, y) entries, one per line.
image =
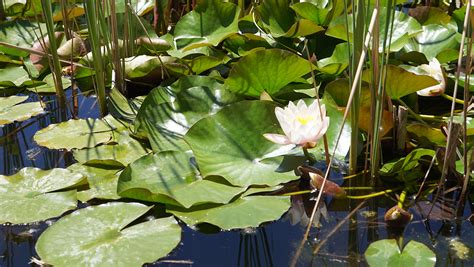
point(272, 244)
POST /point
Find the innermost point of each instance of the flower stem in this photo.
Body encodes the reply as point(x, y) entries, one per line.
point(308, 156)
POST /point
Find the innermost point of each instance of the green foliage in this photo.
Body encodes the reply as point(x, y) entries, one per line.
point(386, 252)
point(109, 241)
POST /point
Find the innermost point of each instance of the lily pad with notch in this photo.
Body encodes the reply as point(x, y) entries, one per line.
point(230, 144)
point(71, 241)
point(386, 252)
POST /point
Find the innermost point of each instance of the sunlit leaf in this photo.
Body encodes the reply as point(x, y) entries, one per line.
point(28, 196)
point(169, 177)
point(266, 71)
point(208, 24)
point(102, 236)
point(11, 110)
point(231, 144)
point(74, 134)
point(387, 253)
point(102, 182)
point(244, 212)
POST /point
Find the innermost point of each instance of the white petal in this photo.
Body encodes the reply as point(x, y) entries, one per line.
point(277, 138)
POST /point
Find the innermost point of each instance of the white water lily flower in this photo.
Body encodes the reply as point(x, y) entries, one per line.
point(303, 125)
point(434, 70)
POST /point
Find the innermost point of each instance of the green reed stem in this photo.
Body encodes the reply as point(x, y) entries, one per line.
point(54, 59)
point(91, 7)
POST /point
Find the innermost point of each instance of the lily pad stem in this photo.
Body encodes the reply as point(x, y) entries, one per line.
point(450, 98)
point(402, 199)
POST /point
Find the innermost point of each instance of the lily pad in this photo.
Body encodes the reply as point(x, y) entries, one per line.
point(231, 144)
point(434, 39)
point(11, 110)
point(169, 177)
point(165, 124)
point(208, 24)
point(404, 27)
point(121, 107)
point(249, 211)
point(49, 87)
point(102, 182)
point(21, 33)
point(27, 196)
point(125, 152)
point(13, 76)
point(387, 253)
point(74, 134)
point(400, 82)
point(72, 241)
point(280, 20)
point(266, 71)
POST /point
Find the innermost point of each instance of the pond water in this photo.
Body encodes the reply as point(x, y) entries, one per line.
point(272, 244)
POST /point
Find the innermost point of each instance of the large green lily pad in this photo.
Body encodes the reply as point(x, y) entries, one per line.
point(101, 236)
point(169, 177)
point(11, 110)
point(74, 134)
point(27, 196)
point(165, 124)
point(208, 24)
point(387, 253)
point(249, 211)
point(266, 71)
point(231, 144)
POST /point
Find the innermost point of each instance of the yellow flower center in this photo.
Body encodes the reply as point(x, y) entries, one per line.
point(305, 120)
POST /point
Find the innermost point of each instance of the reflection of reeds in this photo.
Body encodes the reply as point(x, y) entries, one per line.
point(254, 248)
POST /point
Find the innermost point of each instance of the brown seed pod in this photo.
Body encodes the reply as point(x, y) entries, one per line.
point(316, 180)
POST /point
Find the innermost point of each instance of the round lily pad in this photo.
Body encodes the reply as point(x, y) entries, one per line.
point(26, 196)
point(100, 236)
point(74, 134)
point(387, 253)
point(230, 144)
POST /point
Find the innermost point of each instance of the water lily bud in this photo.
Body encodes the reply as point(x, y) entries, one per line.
point(397, 217)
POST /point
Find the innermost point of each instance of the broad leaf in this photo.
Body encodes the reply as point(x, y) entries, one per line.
point(28, 196)
point(74, 134)
point(208, 24)
point(399, 33)
point(434, 39)
point(165, 124)
point(11, 110)
point(101, 236)
point(13, 76)
point(266, 71)
point(231, 144)
point(102, 182)
point(244, 212)
point(21, 33)
point(400, 82)
point(387, 253)
point(169, 177)
point(125, 152)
